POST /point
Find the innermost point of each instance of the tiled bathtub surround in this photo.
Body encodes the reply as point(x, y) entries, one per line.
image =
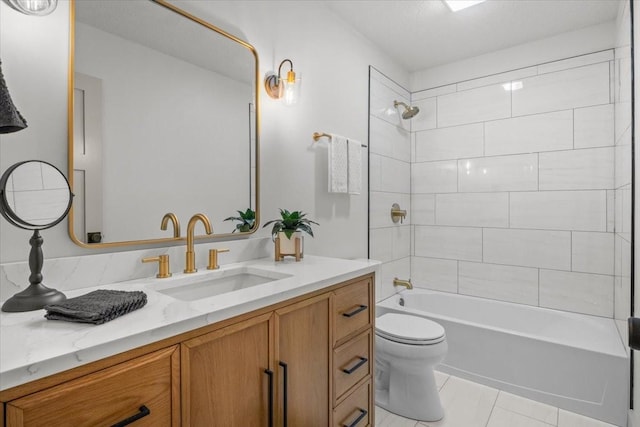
point(520, 195)
point(514, 187)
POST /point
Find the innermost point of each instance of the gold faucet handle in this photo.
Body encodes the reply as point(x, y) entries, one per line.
point(213, 258)
point(163, 265)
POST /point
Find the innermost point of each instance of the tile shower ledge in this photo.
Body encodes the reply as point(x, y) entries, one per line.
point(32, 347)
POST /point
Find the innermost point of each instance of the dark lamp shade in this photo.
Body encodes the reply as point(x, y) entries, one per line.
point(10, 118)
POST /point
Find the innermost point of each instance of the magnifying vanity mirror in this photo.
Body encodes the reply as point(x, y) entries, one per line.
point(34, 195)
point(163, 118)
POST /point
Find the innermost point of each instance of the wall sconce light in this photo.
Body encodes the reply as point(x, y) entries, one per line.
point(288, 88)
point(34, 7)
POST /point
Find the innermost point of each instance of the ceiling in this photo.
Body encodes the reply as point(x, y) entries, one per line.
point(421, 34)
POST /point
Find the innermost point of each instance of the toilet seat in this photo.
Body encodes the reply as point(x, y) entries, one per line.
point(407, 329)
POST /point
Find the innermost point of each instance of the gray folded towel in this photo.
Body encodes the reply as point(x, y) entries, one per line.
point(96, 307)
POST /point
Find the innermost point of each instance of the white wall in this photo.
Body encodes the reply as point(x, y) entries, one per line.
point(332, 58)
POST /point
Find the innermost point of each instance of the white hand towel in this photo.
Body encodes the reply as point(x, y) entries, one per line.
point(355, 166)
point(338, 164)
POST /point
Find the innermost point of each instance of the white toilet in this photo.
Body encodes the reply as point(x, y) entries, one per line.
point(407, 349)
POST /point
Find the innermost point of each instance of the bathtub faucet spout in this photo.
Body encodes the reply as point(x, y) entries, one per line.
point(406, 283)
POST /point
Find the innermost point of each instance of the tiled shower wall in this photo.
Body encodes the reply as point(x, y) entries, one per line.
point(517, 185)
point(513, 186)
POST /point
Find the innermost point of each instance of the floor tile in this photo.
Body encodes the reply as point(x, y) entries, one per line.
point(527, 407)
point(503, 418)
point(441, 379)
point(569, 419)
point(387, 419)
point(466, 404)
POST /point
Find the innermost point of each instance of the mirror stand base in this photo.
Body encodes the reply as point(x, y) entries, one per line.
point(35, 297)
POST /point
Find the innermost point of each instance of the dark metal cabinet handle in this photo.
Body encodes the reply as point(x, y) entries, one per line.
point(285, 398)
point(356, 311)
point(269, 372)
point(144, 411)
point(355, 367)
point(355, 422)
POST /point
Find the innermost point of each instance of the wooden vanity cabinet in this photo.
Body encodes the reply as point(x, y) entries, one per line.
point(283, 365)
point(144, 387)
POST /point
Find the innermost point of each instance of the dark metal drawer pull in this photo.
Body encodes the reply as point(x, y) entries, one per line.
point(285, 392)
point(269, 372)
point(355, 422)
point(355, 367)
point(356, 311)
point(144, 411)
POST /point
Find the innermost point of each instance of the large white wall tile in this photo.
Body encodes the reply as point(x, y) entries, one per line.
point(623, 160)
point(500, 78)
point(389, 140)
point(578, 61)
point(579, 292)
point(587, 169)
point(538, 132)
point(389, 175)
point(503, 173)
point(475, 105)
point(473, 209)
point(561, 90)
point(594, 126)
point(378, 77)
point(455, 142)
point(622, 297)
point(423, 209)
point(527, 248)
point(592, 252)
point(434, 177)
point(430, 93)
point(380, 208)
point(559, 210)
point(389, 244)
point(426, 118)
point(434, 273)
point(502, 282)
point(462, 243)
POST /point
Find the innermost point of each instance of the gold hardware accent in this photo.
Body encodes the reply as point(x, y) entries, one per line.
point(213, 258)
point(163, 265)
point(318, 135)
point(397, 214)
point(174, 219)
point(190, 265)
point(406, 283)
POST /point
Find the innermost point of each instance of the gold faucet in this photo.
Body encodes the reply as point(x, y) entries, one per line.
point(191, 254)
point(174, 219)
point(406, 283)
point(213, 258)
point(163, 265)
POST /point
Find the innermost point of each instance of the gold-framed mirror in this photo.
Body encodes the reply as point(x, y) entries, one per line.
point(164, 117)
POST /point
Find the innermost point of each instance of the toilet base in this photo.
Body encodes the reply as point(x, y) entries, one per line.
point(413, 396)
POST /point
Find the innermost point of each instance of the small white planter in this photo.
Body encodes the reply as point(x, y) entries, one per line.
point(289, 247)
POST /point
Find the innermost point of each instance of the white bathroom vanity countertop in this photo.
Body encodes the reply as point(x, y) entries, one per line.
point(32, 347)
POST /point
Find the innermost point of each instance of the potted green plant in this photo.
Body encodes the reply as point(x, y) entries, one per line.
point(246, 220)
point(287, 233)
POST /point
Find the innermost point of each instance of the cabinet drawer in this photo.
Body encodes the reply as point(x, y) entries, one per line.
point(355, 411)
point(108, 397)
point(352, 308)
point(351, 362)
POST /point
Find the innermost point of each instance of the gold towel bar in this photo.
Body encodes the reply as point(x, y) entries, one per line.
point(318, 135)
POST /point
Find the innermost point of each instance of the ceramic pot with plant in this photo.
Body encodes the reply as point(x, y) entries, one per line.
point(246, 220)
point(287, 233)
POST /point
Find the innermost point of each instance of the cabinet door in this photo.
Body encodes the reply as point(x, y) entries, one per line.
point(303, 357)
point(223, 375)
point(144, 389)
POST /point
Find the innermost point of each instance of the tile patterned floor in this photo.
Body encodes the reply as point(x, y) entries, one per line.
point(467, 404)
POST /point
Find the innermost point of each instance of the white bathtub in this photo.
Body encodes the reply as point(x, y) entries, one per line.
point(572, 361)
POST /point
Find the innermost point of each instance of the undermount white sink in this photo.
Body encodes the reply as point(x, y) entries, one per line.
point(199, 286)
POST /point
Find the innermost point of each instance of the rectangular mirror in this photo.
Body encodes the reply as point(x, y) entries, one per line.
point(163, 117)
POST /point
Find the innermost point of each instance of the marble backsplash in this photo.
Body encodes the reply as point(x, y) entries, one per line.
point(85, 271)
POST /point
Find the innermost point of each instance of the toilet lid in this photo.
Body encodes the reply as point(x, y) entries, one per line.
point(409, 329)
